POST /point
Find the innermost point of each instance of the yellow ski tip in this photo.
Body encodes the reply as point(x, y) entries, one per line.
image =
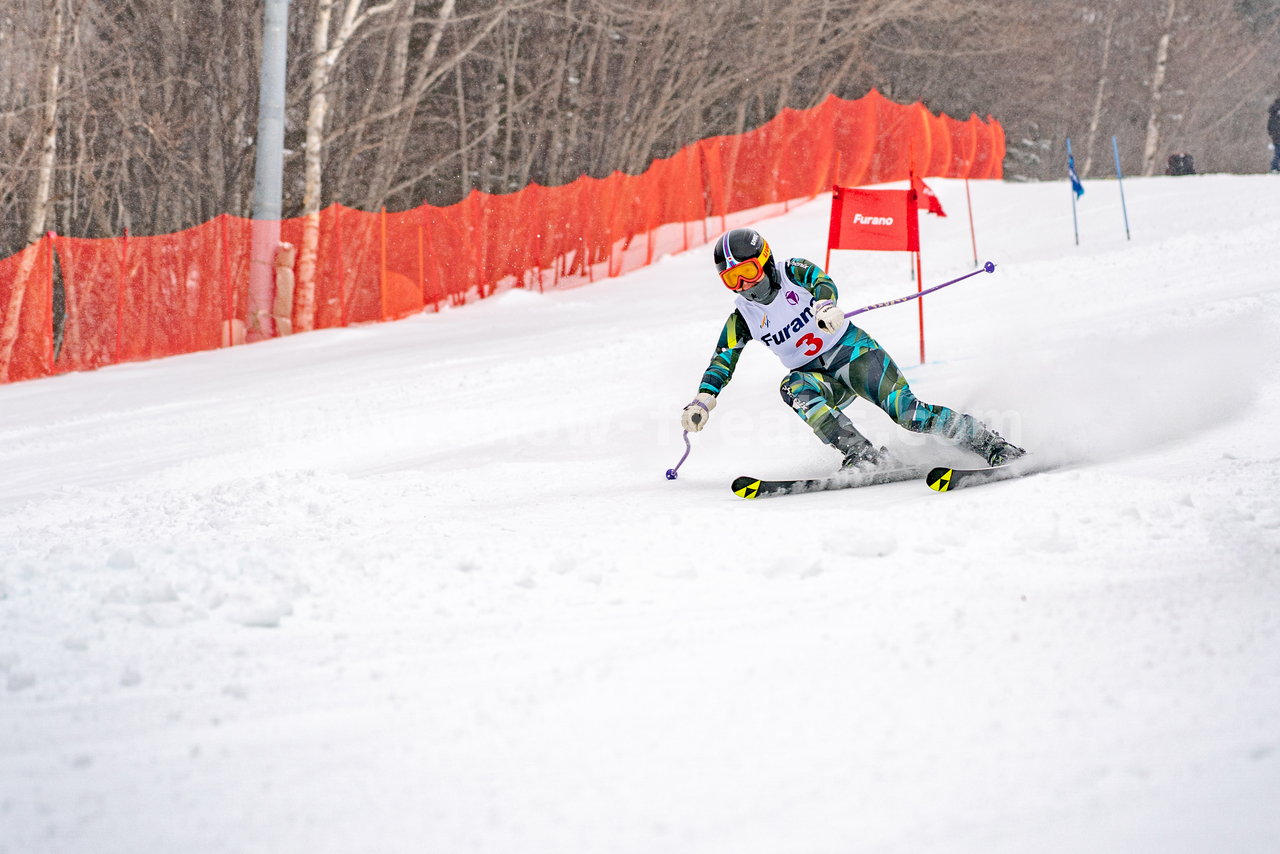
point(750, 490)
point(941, 483)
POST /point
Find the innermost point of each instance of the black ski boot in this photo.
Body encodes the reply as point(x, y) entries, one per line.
point(859, 453)
point(864, 455)
point(985, 442)
point(1001, 452)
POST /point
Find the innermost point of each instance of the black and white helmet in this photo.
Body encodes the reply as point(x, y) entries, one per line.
point(746, 264)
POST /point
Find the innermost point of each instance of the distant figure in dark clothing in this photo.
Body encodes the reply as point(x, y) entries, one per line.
point(1273, 128)
point(1181, 164)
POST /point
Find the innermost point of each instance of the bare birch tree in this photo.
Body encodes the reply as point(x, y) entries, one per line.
point(1095, 115)
point(38, 211)
point(1151, 147)
point(324, 56)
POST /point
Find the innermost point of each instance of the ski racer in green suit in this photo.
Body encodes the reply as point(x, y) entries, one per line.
point(791, 308)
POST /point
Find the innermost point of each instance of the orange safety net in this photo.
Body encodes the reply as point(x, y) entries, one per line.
point(132, 298)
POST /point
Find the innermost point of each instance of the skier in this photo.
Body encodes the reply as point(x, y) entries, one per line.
point(791, 308)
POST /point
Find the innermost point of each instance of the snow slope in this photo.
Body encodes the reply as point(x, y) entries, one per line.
point(422, 586)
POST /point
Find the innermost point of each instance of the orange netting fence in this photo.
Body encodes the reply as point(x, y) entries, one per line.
point(131, 298)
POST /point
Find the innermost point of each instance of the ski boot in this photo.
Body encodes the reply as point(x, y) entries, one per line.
point(999, 451)
point(983, 441)
point(864, 456)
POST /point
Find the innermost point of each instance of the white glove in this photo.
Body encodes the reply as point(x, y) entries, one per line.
point(828, 315)
point(695, 415)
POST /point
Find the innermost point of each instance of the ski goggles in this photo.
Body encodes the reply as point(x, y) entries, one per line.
point(743, 275)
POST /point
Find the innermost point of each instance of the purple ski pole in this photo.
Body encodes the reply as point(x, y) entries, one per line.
point(988, 267)
point(698, 418)
point(673, 473)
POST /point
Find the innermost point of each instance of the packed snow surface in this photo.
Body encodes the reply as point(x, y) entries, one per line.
point(422, 586)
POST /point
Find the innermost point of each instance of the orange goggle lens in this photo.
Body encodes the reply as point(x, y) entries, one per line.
point(741, 276)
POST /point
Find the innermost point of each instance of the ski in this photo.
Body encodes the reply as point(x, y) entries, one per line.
point(943, 479)
point(753, 487)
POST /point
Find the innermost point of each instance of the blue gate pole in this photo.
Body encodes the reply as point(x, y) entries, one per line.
point(1115, 149)
point(1075, 223)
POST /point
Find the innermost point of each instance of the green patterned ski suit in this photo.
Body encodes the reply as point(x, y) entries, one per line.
point(856, 367)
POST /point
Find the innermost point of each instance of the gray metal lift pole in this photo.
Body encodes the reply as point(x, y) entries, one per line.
point(269, 170)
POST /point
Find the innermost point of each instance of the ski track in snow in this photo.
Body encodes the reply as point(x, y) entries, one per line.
point(422, 586)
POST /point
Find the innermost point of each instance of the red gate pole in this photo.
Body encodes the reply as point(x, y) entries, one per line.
point(48, 309)
point(835, 190)
point(920, 304)
point(422, 266)
point(124, 279)
point(228, 294)
point(382, 262)
point(339, 258)
point(835, 194)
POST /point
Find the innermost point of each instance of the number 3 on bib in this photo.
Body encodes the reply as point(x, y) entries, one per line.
point(815, 344)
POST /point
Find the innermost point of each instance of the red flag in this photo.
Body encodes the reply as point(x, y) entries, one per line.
point(928, 200)
point(873, 219)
